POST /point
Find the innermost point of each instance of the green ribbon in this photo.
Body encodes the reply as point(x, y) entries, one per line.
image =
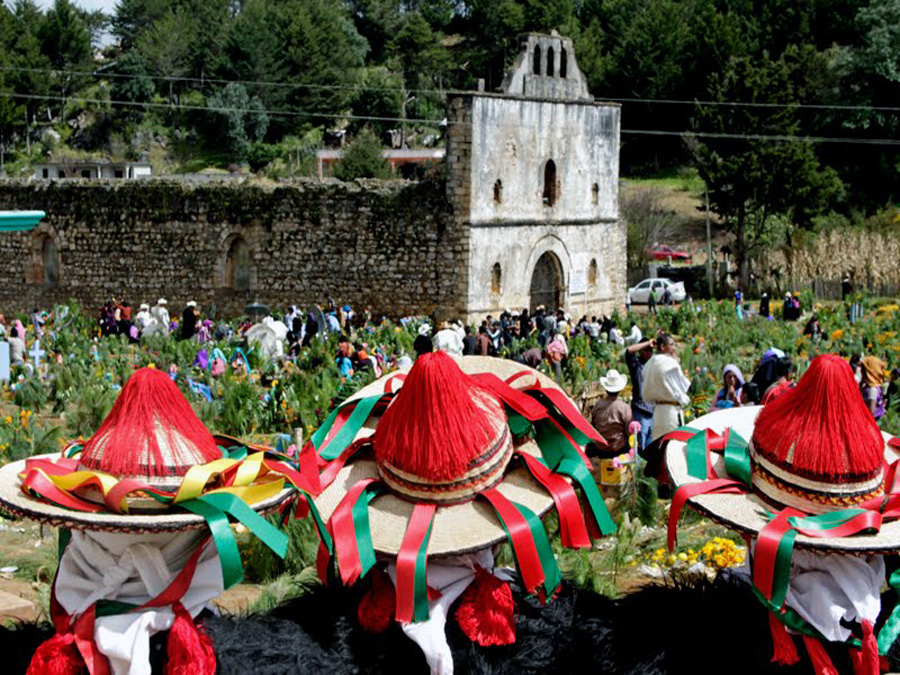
point(320, 523)
point(781, 575)
point(74, 450)
point(737, 458)
point(561, 457)
point(65, 536)
point(348, 432)
point(519, 425)
point(223, 537)
point(696, 455)
point(891, 629)
point(215, 509)
point(552, 575)
point(360, 514)
point(577, 471)
point(420, 589)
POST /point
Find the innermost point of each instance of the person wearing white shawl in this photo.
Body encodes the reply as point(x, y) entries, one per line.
point(666, 387)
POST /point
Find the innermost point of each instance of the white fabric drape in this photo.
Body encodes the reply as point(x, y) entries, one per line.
point(451, 578)
point(825, 589)
point(133, 568)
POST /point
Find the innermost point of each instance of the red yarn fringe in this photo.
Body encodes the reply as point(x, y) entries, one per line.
point(377, 607)
point(190, 649)
point(867, 661)
point(437, 424)
point(784, 651)
point(822, 423)
point(57, 656)
point(150, 409)
point(820, 660)
point(486, 613)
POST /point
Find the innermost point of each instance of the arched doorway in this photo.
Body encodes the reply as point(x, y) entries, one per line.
point(237, 265)
point(50, 262)
point(547, 283)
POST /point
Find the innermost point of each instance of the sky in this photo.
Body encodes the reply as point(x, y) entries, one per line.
point(106, 5)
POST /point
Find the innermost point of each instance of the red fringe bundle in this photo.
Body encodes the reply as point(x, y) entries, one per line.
point(437, 424)
point(487, 611)
point(150, 407)
point(824, 422)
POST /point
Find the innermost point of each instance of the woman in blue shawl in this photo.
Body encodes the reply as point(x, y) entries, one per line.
point(729, 395)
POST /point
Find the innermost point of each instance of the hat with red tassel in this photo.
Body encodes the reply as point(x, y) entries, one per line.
point(815, 472)
point(815, 449)
point(150, 455)
point(455, 456)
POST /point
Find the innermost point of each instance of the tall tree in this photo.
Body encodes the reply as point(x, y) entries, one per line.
point(754, 181)
point(66, 43)
point(236, 120)
point(133, 17)
point(323, 60)
point(166, 49)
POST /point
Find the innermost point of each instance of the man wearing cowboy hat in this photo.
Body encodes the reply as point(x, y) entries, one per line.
point(610, 416)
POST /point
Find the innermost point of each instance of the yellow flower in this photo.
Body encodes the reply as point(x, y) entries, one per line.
point(838, 334)
point(8, 419)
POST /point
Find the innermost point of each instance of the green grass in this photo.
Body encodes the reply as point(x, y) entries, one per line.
point(684, 179)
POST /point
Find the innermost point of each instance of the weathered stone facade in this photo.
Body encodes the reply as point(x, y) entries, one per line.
point(528, 215)
point(533, 173)
point(392, 245)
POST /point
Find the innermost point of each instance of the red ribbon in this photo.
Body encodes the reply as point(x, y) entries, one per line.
point(681, 435)
point(407, 558)
point(83, 629)
point(52, 467)
point(572, 526)
point(685, 492)
point(83, 626)
point(568, 410)
point(521, 538)
point(333, 468)
point(767, 542)
point(344, 534)
point(389, 384)
point(38, 483)
point(867, 520)
point(516, 399)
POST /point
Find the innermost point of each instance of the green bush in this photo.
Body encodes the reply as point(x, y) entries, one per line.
point(362, 159)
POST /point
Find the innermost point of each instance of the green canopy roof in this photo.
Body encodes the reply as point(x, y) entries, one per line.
point(19, 221)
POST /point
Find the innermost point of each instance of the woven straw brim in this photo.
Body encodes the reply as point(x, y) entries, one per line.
point(456, 529)
point(13, 500)
point(746, 513)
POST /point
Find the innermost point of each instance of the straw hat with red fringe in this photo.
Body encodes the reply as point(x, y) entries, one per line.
point(452, 458)
point(816, 474)
point(152, 467)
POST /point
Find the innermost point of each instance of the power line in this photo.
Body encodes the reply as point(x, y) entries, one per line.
point(443, 92)
point(299, 113)
point(750, 104)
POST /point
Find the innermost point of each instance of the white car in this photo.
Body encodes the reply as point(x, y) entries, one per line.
point(640, 294)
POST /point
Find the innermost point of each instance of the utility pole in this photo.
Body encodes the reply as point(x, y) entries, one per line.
point(709, 252)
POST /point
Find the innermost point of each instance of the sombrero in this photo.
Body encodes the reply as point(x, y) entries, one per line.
point(809, 470)
point(152, 466)
point(151, 473)
point(816, 450)
point(457, 455)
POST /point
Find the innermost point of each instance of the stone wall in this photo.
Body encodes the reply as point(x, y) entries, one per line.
point(389, 244)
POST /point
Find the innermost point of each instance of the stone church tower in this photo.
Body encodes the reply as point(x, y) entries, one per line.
point(532, 176)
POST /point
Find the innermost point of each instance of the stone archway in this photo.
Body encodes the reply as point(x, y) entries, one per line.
point(547, 283)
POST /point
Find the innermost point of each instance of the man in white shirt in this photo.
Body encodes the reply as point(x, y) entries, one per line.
point(447, 340)
point(666, 387)
point(142, 319)
point(635, 336)
point(161, 314)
